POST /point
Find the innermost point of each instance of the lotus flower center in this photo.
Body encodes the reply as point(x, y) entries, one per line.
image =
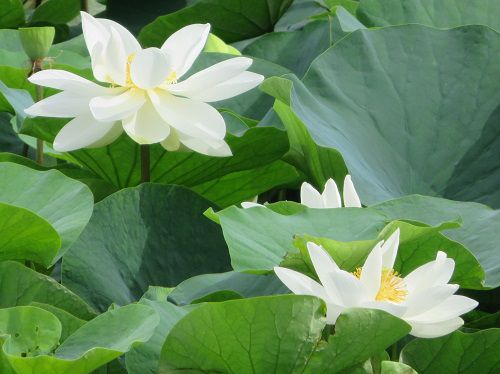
point(392, 286)
point(172, 78)
point(128, 78)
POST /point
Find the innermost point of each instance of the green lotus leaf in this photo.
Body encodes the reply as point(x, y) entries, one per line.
point(231, 20)
point(144, 358)
point(20, 286)
point(406, 119)
point(436, 13)
point(270, 234)
point(31, 336)
point(160, 238)
point(64, 203)
point(459, 353)
point(275, 334)
point(25, 235)
point(242, 284)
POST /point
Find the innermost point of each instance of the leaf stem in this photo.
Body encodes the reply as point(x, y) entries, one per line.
point(145, 163)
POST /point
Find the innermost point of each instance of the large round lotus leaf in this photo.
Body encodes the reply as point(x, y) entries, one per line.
point(149, 235)
point(64, 203)
point(271, 235)
point(436, 13)
point(412, 109)
point(259, 335)
point(275, 334)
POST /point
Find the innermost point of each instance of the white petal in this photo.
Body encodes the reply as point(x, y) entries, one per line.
point(116, 107)
point(352, 292)
point(310, 197)
point(324, 266)
point(129, 42)
point(239, 84)
point(207, 146)
point(146, 126)
point(183, 47)
point(172, 142)
point(437, 272)
point(109, 45)
point(451, 307)
point(193, 118)
point(331, 195)
point(149, 68)
point(300, 284)
point(425, 299)
point(351, 198)
point(321, 258)
point(209, 77)
point(434, 330)
point(371, 272)
point(64, 80)
point(390, 250)
point(98, 59)
point(94, 32)
point(114, 61)
point(249, 204)
point(85, 132)
point(443, 268)
point(61, 105)
point(333, 312)
point(392, 308)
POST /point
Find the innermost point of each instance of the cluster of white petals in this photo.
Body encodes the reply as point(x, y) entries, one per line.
point(143, 95)
point(423, 298)
point(330, 198)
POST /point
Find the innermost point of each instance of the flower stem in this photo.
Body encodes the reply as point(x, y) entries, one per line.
point(145, 162)
point(37, 66)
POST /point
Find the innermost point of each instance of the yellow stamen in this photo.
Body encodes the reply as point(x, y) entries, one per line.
point(128, 78)
point(392, 287)
point(172, 78)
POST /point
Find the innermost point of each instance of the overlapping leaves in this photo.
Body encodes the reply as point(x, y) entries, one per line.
point(404, 109)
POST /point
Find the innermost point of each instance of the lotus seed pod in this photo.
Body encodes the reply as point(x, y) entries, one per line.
point(37, 41)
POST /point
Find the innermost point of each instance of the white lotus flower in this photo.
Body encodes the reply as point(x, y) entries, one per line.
point(143, 95)
point(423, 298)
point(330, 198)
